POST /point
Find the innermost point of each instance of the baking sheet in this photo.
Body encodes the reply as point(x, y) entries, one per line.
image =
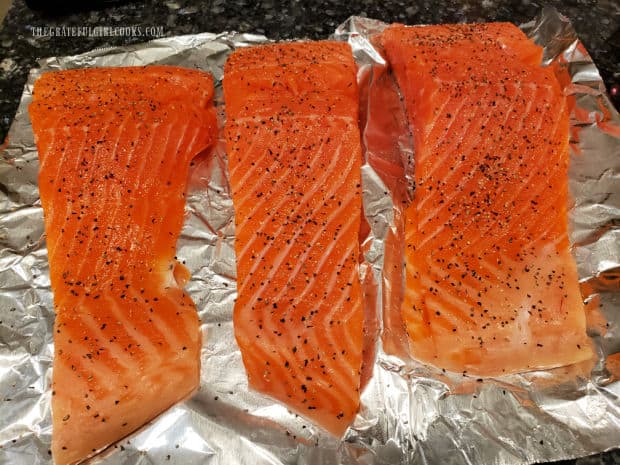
point(409, 413)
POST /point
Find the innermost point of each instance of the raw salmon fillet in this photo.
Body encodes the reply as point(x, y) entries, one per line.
point(491, 286)
point(294, 158)
point(114, 148)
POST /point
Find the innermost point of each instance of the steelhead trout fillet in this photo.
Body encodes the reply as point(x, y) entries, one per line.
point(114, 148)
point(491, 286)
point(294, 156)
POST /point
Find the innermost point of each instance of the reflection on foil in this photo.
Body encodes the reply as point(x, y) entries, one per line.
point(410, 413)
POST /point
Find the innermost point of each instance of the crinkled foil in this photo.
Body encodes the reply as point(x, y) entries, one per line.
point(410, 413)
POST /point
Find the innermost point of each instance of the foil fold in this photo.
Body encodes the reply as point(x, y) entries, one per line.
point(410, 413)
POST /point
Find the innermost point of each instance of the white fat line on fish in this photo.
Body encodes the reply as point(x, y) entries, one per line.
point(144, 155)
point(461, 144)
point(458, 193)
point(465, 302)
point(347, 377)
point(102, 205)
point(155, 183)
point(254, 119)
point(258, 187)
point(72, 183)
point(325, 254)
point(542, 216)
point(323, 320)
point(96, 329)
point(466, 144)
point(238, 164)
point(277, 207)
point(440, 162)
point(444, 129)
point(108, 190)
point(284, 252)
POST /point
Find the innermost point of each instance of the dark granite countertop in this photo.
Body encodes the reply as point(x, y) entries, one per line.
point(597, 23)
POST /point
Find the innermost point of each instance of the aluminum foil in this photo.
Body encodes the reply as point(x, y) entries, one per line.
point(410, 413)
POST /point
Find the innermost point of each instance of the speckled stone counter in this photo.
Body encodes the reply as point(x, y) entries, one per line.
point(597, 23)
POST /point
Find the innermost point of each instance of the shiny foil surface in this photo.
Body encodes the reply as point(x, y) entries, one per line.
point(410, 413)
